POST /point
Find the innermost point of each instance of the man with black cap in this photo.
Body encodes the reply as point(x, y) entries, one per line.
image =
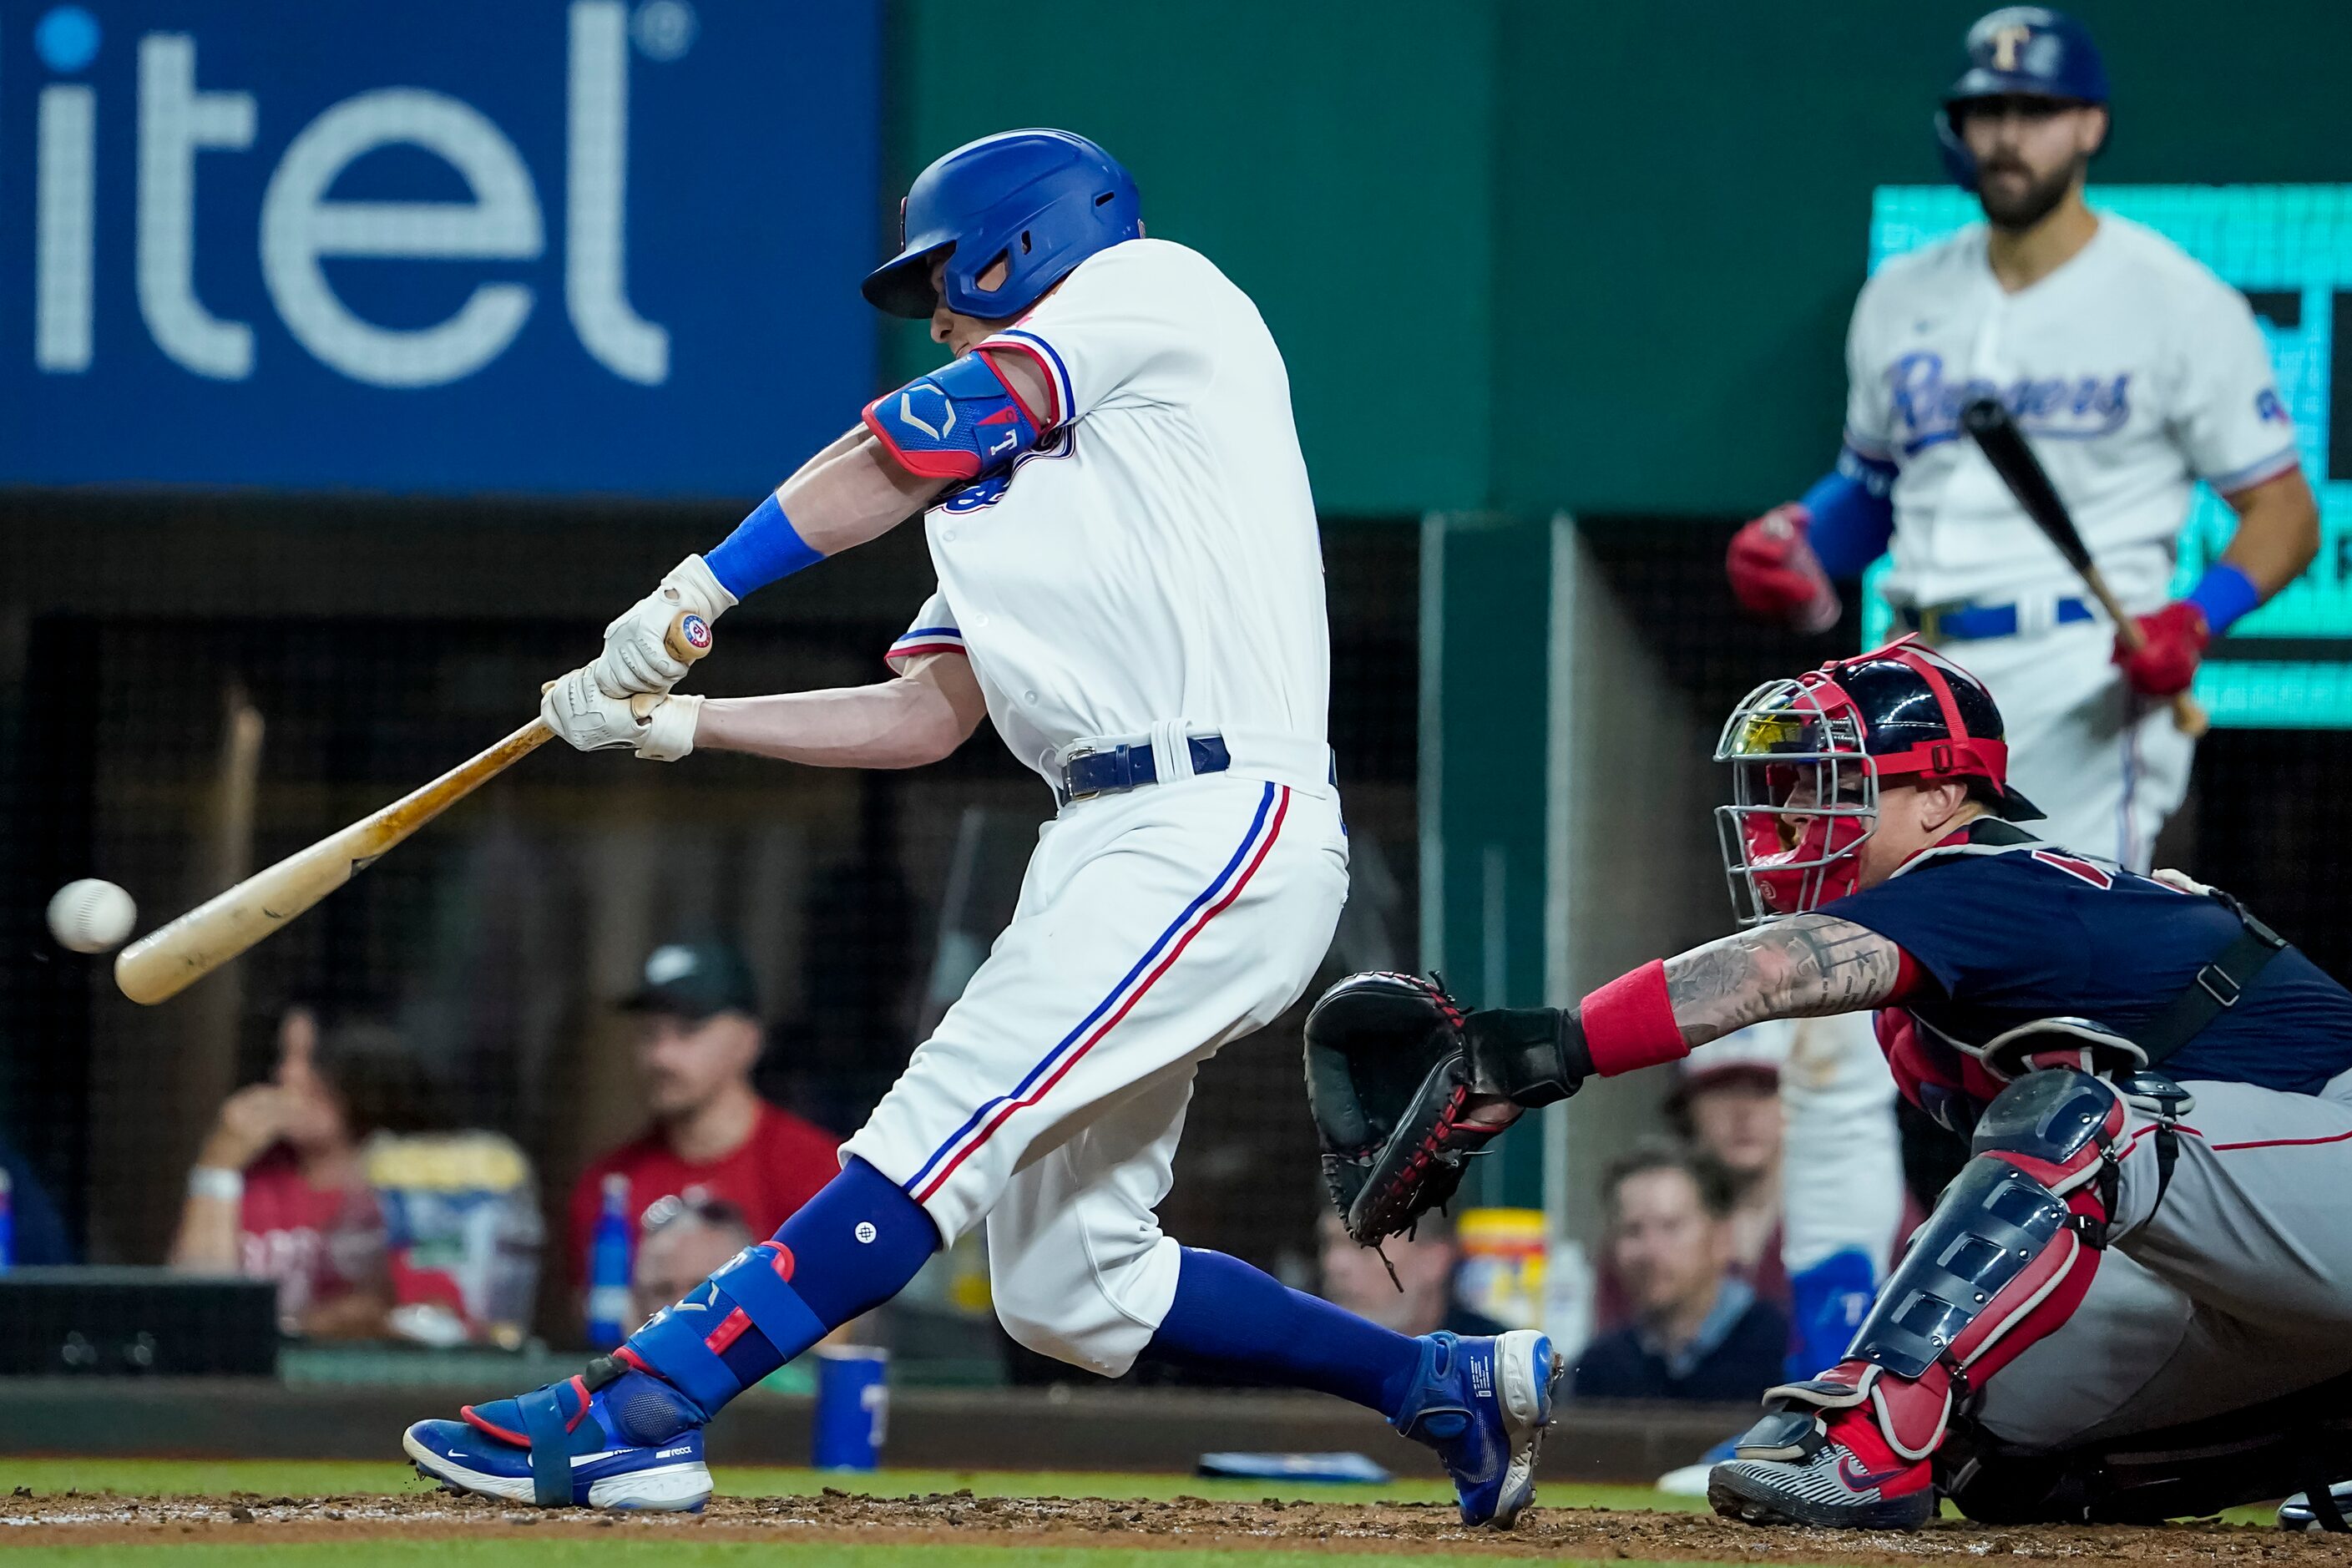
point(699, 1036)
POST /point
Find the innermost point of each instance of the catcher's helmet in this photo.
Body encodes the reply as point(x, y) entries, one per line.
point(2020, 51)
point(1808, 755)
point(1039, 201)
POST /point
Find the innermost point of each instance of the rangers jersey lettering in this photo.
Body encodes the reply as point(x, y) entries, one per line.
point(2134, 371)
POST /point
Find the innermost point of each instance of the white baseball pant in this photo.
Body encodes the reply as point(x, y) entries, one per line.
point(1152, 928)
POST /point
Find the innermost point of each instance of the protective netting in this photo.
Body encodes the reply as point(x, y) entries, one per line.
point(176, 753)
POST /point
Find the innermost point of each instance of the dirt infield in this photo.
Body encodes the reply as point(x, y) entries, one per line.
point(960, 1517)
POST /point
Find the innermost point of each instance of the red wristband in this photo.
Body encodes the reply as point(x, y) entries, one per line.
point(1629, 1022)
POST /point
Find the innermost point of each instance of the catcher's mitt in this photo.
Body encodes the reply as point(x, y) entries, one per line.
point(1388, 1071)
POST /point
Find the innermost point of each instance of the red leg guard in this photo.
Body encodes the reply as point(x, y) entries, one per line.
point(1882, 1416)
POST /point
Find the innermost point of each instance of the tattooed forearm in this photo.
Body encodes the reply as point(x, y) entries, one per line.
point(1803, 967)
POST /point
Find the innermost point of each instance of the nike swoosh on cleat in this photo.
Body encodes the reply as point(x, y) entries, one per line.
point(1861, 1480)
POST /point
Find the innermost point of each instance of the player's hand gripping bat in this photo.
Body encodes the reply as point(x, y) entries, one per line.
point(1995, 432)
point(171, 958)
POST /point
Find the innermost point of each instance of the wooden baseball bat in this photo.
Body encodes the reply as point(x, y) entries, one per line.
point(171, 958)
point(1995, 432)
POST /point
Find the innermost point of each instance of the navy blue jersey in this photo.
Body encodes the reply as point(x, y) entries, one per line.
point(2029, 933)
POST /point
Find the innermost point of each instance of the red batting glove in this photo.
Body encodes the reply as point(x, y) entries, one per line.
point(1775, 574)
point(2177, 636)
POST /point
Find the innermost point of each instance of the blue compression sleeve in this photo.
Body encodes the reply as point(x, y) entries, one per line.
point(764, 547)
point(1229, 1317)
point(1853, 514)
point(2225, 595)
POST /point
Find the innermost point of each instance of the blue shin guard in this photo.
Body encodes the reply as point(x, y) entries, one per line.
point(627, 1433)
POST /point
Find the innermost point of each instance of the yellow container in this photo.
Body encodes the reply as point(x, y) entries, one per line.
point(1502, 1268)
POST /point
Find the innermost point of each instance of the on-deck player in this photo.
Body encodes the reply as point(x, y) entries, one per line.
point(1131, 590)
point(2150, 1230)
point(2135, 373)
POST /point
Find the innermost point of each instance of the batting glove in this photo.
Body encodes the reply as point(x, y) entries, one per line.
point(2166, 662)
point(1775, 574)
point(636, 657)
point(659, 729)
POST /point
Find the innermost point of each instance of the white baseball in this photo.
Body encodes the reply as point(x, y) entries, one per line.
point(91, 916)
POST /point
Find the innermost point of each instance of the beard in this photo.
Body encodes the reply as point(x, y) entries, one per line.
point(2016, 208)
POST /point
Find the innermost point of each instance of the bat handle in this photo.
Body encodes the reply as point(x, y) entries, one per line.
point(688, 643)
point(688, 637)
point(2188, 715)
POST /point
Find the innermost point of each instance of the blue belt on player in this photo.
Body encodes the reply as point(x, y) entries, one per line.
point(1964, 622)
point(1115, 770)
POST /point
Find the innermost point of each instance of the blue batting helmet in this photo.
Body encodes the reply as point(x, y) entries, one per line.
point(1040, 201)
point(2020, 51)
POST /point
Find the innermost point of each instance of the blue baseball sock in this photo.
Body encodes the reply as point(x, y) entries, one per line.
point(849, 1249)
point(1231, 1317)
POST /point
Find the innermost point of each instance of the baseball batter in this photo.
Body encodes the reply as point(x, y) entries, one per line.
point(2135, 373)
point(1131, 591)
point(2157, 1088)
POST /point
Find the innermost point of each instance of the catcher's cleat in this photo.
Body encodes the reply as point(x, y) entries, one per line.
point(1826, 1486)
point(2297, 1512)
point(1482, 1403)
point(624, 1441)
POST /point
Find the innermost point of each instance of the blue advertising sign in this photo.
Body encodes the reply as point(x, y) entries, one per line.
point(600, 246)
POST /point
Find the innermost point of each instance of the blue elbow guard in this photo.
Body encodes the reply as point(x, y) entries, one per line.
point(1853, 514)
point(960, 422)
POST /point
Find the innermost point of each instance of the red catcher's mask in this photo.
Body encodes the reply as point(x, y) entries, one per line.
point(1806, 775)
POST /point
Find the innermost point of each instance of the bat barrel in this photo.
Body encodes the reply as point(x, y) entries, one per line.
point(170, 959)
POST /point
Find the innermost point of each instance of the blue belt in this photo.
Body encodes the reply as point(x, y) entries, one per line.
point(1968, 623)
point(1123, 768)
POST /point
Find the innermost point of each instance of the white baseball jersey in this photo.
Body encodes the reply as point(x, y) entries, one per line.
point(2134, 371)
point(1152, 567)
point(1155, 558)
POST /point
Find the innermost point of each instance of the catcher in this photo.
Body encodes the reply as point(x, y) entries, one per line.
point(2148, 1240)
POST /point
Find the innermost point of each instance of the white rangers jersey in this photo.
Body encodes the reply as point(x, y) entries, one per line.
point(1155, 558)
point(2132, 369)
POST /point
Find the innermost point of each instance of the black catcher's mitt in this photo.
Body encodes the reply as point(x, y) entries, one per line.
point(1387, 1070)
point(1392, 1060)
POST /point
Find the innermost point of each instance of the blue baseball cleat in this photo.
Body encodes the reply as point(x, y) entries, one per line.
point(616, 1439)
point(1484, 1405)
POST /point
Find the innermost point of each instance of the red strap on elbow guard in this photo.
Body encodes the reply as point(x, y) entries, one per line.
point(1630, 1022)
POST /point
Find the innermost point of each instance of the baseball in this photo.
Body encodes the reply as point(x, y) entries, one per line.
point(91, 916)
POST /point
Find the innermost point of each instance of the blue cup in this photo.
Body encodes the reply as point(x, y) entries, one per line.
point(853, 1408)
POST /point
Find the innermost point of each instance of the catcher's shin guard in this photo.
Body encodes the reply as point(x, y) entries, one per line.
point(2004, 1260)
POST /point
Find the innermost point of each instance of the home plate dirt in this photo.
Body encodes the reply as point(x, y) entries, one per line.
point(104, 1518)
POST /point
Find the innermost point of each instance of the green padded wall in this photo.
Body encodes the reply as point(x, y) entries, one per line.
point(1331, 158)
point(1529, 254)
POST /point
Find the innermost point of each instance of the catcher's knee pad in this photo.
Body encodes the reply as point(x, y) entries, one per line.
point(2004, 1260)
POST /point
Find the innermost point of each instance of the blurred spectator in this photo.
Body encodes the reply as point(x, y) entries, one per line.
point(1728, 1104)
point(1420, 1300)
point(278, 1191)
point(698, 1037)
point(37, 1233)
point(684, 1240)
point(1698, 1332)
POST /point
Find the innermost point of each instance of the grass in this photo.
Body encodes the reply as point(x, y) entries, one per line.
point(623, 1553)
point(322, 1478)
